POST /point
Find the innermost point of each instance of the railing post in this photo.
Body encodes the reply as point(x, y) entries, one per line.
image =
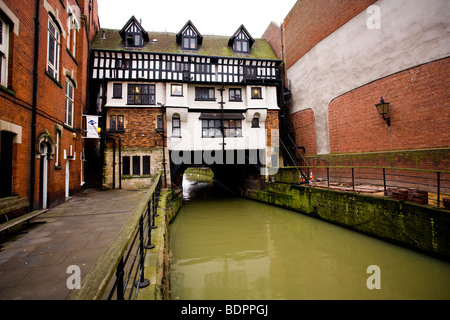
point(353, 179)
point(150, 205)
point(328, 176)
point(142, 281)
point(119, 275)
point(438, 188)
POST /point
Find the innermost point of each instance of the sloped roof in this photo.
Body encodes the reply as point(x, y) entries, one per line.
point(133, 20)
point(166, 43)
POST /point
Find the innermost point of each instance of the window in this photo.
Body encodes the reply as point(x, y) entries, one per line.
point(212, 128)
point(136, 165)
point(116, 123)
point(53, 49)
point(159, 123)
point(241, 46)
point(122, 64)
point(134, 39)
point(72, 27)
point(69, 103)
point(232, 128)
point(141, 94)
point(58, 148)
point(117, 91)
point(177, 90)
point(176, 126)
point(126, 165)
point(249, 72)
point(235, 95)
point(255, 122)
point(256, 93)
point(189, 42)
point(146, 165)
point(205, 94)
point(4, 52)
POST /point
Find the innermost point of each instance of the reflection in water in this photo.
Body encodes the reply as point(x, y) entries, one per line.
point(226, 247)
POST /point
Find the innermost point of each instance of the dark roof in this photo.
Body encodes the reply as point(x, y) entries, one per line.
point(166, 43)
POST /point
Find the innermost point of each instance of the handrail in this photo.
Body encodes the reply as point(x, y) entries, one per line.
point(299, 170)
point(96, 281)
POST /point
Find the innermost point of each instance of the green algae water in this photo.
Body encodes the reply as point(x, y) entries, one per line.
point(226, 247)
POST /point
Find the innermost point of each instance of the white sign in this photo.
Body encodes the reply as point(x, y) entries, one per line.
point(92, 127)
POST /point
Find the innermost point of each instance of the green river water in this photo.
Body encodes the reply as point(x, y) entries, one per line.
point(226, 247)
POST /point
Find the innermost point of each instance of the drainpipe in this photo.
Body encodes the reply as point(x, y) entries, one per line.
point(34, 105)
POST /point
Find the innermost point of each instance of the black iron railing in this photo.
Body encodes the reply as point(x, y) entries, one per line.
point(125, 256)
point(435, 182)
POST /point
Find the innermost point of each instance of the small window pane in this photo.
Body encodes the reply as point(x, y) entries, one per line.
point(126, 165)
point(136, 165)
point(146, 165)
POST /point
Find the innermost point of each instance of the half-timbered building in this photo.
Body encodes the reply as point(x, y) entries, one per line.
point(172, 100)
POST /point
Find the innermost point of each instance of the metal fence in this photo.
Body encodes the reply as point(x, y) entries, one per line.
point(125, 256)
point(435, 183)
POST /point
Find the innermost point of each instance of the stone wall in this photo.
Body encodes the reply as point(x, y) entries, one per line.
point(419, 227)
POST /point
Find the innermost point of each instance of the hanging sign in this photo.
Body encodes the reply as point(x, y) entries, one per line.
point(92, 127)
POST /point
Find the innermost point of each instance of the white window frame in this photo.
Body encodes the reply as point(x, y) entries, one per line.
point(53, 68)
point(69, 104)
point(4, 52)
point(72, 27)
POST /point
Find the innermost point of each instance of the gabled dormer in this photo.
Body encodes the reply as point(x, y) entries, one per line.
point(133, 34)
point(189, 38)
point(241, 41)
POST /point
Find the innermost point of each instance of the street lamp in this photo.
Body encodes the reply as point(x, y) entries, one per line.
point(383, 109)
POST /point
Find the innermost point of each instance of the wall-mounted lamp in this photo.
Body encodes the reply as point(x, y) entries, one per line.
point(383, 109)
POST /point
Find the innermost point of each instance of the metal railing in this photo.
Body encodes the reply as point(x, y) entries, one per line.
point(127, 265)
point(295, 159)
point(435, 182)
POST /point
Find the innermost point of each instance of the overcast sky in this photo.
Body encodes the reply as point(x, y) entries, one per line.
point(218, 17)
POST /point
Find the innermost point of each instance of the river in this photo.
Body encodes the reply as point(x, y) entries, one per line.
point(227, 247)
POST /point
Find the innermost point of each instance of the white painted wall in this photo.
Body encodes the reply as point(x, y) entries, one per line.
point(412, 32)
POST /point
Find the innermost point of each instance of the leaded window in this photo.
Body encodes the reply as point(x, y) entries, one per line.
point(141, 94)
point(205, 94)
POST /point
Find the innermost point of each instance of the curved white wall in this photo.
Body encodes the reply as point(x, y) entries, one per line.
point(412, 32)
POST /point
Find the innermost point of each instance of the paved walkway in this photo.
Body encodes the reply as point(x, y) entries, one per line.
point(34, 259)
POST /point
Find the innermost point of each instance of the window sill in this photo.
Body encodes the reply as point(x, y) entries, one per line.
point(72, 56)
point(136, 176)
point(214, 99)
point(54, 79)
point(235, 101)
point(8, 91)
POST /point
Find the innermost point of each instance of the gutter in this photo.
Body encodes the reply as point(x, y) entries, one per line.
point(34, 105)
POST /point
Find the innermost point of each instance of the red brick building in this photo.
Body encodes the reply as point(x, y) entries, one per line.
point(43, 97)
point(342, 57)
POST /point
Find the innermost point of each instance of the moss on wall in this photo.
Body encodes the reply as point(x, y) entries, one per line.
point(420, 227)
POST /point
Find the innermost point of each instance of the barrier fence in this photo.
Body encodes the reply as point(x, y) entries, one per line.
point(391, 180)
point(125, 256)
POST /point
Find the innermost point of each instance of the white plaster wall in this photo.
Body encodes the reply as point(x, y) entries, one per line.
point(412, 32)
point(191, 135)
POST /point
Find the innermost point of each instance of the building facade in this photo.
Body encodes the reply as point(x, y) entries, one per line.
point(44, 53)
point(174, 100)
point(339, 66)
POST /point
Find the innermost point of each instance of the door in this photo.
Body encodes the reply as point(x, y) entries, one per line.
point(6, 163)
point(44, 176)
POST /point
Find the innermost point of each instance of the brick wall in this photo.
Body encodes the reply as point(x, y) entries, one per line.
point(17, 99)
point(310, 21)
point(305, 133)
point(271, 123)
point(419, 102)
point(273, 36)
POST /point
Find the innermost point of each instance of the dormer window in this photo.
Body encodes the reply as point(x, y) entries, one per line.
point(133, 34)
point(241, 41)
point(189, 37)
